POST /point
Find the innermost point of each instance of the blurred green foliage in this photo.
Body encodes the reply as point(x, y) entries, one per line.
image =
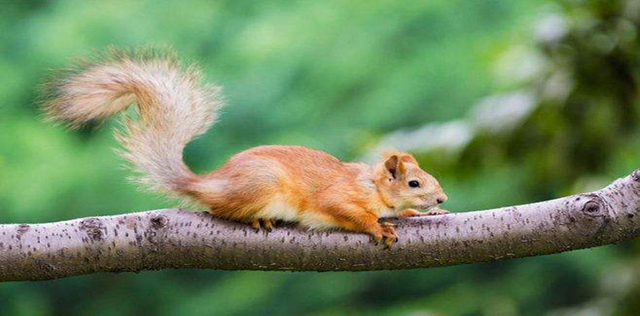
point(339, 76)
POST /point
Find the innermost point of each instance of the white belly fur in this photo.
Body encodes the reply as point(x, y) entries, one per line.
point(315, 221)
point(387, 212)
point(280, 210)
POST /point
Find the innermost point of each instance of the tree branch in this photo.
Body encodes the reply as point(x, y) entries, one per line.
point(175, 238)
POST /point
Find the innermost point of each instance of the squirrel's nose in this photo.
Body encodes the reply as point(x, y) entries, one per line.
point(441, 199)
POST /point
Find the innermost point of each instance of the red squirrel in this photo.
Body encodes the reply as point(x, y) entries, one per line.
point(257, 186)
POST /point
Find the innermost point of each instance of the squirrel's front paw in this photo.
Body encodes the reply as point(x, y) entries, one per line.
point(436, 211)
point(386, 234)
point(410, 213)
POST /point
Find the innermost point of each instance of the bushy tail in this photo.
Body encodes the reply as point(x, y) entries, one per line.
point(173, 108)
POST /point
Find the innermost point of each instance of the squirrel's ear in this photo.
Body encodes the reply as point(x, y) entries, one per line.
point(402, 169)
point(391, 164)
point(408, 159)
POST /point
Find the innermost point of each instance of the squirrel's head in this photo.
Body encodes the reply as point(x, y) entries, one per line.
point(403, 184)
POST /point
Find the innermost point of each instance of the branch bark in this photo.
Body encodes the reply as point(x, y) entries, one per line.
point(175, 238)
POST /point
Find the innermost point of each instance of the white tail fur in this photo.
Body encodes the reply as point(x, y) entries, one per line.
point(173, 108)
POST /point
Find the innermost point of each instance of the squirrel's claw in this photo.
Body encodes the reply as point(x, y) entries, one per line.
point(265, 224)
point(256, 225)
point(386, 235)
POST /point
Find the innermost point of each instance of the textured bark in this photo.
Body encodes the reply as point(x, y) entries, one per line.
point(174, 238)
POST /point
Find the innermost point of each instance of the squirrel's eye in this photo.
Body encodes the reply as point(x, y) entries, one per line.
point(414, 184)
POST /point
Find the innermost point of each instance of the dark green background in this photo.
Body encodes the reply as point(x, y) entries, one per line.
point(340, 76)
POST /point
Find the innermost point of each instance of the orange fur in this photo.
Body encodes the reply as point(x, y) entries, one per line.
point(257, 186)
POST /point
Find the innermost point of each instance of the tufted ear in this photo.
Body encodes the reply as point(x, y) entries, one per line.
point(395, 166)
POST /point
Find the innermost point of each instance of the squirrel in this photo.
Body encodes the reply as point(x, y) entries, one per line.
point(257, 186)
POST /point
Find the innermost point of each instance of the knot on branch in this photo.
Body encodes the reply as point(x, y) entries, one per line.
point(159, 221)
point(592, 208)
point(94, 228)
point(595, 206)
point(636, 175)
